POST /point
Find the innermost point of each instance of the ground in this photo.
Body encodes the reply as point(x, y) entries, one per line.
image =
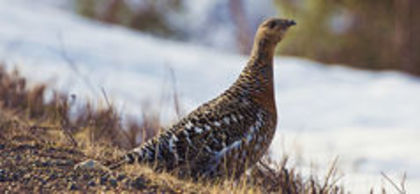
point(40, 159)
point(30, 160)
point(42, 146)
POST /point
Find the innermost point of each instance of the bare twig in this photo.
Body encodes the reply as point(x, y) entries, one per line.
point(263, 164)
point(403, 182)
point(106, 97)
point(71, 63)
point(69, 137)
point(400, 190)
point(175, 92)
point(330, 174)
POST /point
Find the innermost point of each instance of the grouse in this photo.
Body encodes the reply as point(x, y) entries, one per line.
point(229, 134)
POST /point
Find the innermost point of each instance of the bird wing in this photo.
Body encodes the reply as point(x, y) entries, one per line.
point(215, 131)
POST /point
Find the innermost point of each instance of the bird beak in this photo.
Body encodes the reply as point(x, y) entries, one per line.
point(290, 23)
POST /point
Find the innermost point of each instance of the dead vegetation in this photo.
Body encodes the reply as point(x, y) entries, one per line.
point(40, 142)
point(99, 125)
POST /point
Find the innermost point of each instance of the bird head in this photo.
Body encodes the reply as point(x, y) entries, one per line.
point(274, 29)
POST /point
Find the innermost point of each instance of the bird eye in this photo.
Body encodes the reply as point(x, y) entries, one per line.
point(272, 24)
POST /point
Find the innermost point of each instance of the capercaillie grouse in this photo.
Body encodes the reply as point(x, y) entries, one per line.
point(230, 133)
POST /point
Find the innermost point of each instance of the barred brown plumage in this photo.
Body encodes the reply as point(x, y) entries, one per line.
point(230, 133)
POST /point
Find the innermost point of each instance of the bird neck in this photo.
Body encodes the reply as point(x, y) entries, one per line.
point(263, 49)
point(256, 80)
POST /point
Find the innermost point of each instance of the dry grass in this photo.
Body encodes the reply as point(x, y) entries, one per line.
point(100, 125)
point(49, 134)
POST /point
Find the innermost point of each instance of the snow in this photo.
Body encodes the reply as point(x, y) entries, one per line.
point(368, 119)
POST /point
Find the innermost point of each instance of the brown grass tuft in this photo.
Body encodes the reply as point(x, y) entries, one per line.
point(101, 125)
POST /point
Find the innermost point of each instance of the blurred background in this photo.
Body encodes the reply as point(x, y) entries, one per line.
point(374, 34)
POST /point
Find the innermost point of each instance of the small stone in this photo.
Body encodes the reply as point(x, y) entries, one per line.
point(89, 165)
point(86, 165)
point(2, 146)
point(91, 183)
point(126, 182)
point(3, 176)
point(72, 186)
point(103, 179)
point(66, 163)
point(121, 177)
point(86, 177)
point(42, 181)
point(45, 164)
point(113, 182)
point(35, 152)
point(52, 176)
point(15, 177)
